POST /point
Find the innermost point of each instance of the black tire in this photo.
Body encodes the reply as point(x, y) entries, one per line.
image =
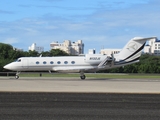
point(83, 77)
point(16, 76)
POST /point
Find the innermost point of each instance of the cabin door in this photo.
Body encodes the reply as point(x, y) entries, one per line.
point(25, 63)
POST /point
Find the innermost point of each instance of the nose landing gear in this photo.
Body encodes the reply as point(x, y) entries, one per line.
point(17, 74)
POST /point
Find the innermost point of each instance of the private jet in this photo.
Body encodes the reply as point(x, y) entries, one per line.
point(88, 63)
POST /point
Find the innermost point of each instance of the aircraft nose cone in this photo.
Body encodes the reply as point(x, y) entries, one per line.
point(7, 67)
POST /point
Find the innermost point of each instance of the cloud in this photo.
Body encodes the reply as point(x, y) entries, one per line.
point(11, 40)
point(121, 4)
point(25, 6)
point(6, 12)
point(51, 0)
point(137, 17)
point(110, 27)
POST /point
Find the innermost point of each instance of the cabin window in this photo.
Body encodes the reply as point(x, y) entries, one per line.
point(65, 62)
point(37, 62)
point(51, 62)
point(73, 62)
point(58, 62)
point(44, 62)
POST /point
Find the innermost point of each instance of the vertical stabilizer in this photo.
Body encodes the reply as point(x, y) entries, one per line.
point(132, 50)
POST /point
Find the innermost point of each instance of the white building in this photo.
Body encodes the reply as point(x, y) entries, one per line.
point(91, 51)
point(153, 47)
point(109, 51)
point(36, 48)
point(72, 48)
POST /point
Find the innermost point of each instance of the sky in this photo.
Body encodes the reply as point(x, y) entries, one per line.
point(98, 23)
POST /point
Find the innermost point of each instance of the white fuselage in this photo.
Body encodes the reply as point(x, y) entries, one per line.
point(88, 62)
point(56, 63)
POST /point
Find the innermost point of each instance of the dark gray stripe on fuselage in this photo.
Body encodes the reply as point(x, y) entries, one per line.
point(124, 62)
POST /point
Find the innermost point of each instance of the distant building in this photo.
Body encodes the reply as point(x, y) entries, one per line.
point(110, 51)
point(36, 48)
point(92, 51)
point(72, 48)
point(153, 47)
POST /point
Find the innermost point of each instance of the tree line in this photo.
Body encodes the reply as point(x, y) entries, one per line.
point(148, 63)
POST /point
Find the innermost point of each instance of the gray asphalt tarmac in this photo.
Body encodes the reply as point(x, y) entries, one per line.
point(75, 99)
point(78, 106)
point(90, 85)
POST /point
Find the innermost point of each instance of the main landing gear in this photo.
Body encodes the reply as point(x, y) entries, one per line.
point(82, 76)
point(17, 75)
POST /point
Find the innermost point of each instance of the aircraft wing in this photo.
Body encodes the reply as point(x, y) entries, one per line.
point(68, 68)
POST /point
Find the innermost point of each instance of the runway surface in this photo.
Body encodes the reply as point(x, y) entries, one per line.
point(79, 106)
point(75, 99)
point(90, 85)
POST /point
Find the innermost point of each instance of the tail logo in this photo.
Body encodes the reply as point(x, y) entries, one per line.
point(132, 47)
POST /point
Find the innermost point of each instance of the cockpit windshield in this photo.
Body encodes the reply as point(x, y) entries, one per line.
point(18, 60)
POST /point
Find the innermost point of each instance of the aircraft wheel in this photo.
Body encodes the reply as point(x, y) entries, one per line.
point(16, 76)
point(83, 77)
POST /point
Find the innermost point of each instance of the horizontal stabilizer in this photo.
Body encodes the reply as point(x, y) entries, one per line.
point(140, 38)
